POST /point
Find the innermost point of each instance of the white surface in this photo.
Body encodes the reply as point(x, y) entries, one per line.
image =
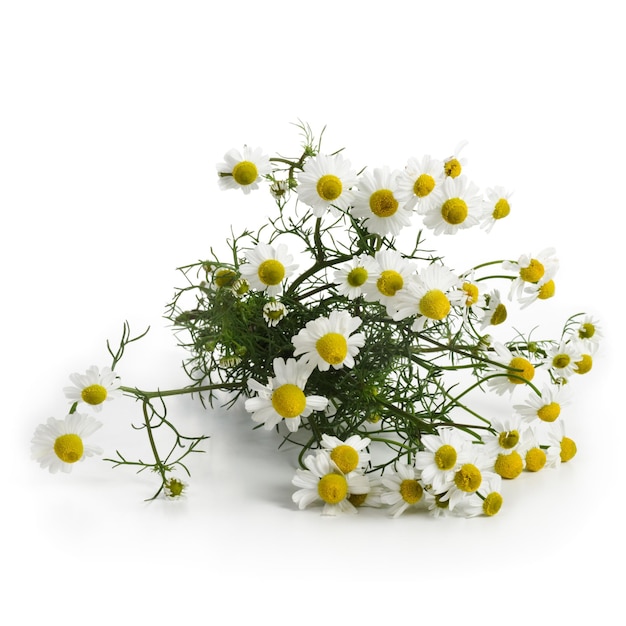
point(112, 119)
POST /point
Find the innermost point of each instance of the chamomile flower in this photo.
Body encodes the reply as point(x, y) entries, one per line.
point(347, 455)
point(283, 398)
point(435, 504)
point(351, 277)
point(532, 269)
point(486, 501)
point(402, 489)
point(496, 206)
point(542, 290)
point(330, 341)
point(457, 207)
point(509, 435)
point(561, 359)
point(588, 332)
point(392, 274)
point(453, 165)
point(419, 182)
point(58, 444)
point(273, 312)
point(472, 298)
point(268, 267)
point(561, 448)
point(442, 455)
point(94, 387)
point(376, 202)
point(495, 313)
point(325, 183)
point(322, 481)
point(429, 296)
point(535, 457)
point(243, 170)
point(515, 370)
point(587, 352)
point(174, 489)
point(547, 406)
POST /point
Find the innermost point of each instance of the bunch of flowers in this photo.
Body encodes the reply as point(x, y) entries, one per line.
point(364, 353)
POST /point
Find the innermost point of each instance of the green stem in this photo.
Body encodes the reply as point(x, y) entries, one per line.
point(138, 393)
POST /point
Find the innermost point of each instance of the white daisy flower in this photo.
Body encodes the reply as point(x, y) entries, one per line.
point(486, 501)
point(560, 447)
point(535, 457)
point(58, 444)
point(562, 359)
point(322, 481)
point(352, 276)
point(515, 370)
point(442, 455)
point(243, 170)
point(268, 267)
point(585, 363)
point(547, 406)
point(542, 290)
point(435, 504)
point(347, 455)
point(283, 398)
point(174, 489)
point(419, 182)
point(454, 164)
point(376, 202)
point(94, 387)
point(428, 296)
point(457, 207)
point(496, 206)
point(325, 183)
point(472, 297)
point(495, 313)
point(588, 332)
point(402, 489)
point(392, 274)
point(330, 341)
point(509, 436)
point(372, 498)
point(273, 312)
point(531, 270)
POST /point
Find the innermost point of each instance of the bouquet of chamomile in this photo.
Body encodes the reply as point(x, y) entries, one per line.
point(372, 358)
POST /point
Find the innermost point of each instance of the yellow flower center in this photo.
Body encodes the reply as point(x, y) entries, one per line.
point(346, 458)
point(501, 209)
point(471, 292)
point(332, 347)
point(424, 184)
point(468, 478)
point(383, 203)
point(492, 503)
point(411, 491)
point(509, 465)
point(245, 172)
point(357, 499)
point(288, 400)
point(452, 168)
point(524, 370)
point(561, 360)
point(69, 448)
point(535, 459)
point(329, 187)
point(271, 272)
point(546, 290)
point(94, 394)
point(225, 277)
point(175, 487)
point(584, 365)
point(454, 211)
point(332, 488)
point(549, 412)
point(445, 457)
point(389, 282)
point(568, 449)
point(499, 315)
point(357, 276)
point(434, 304)
point(533, 272)
point(508, 439)
point(275, 314)
point(586, 331)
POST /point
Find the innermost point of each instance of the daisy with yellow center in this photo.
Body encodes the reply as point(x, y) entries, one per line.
point(273, 312)
point(376, 202)
point(542, 290)
point(429, 296)
point(283, 398)
point(496, 206)
point(561, 359)
point(458, 207)
point(515, 370)
point(546, 407)
point(243, 170)
point(329, 341)
point(486, 501)
point(585, 363)
point(268, 267)
point(469, 476)
point(402, 488)
point(94, 387)
point(561, 448)
point(351, 277)
point(532, 270)
point(588, 332)
point(472, 298)
point(454, 164)
point(58, 444)
point(391, 275)
point(495, 313)
point(325, 184)
point(419, 182)
point(347, 455)
point(443, 453)
point(509, 435)
point(323, 482)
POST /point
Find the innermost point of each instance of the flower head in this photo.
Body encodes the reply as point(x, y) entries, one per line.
point(458, 207)
point(420, 181)
point(495, 313)
point(486, 501)
point(58, 444)
point(561, 359)
point(532, 270)
point(243, 170)
point(515, 370)
point(273, 312)
point(496, 206)
point(453, 165)
point(268, 267)
point(352, 276)
point(94, 387)
point(402, 489)
point(390, 277)
point(347, 455)
point(547, 406)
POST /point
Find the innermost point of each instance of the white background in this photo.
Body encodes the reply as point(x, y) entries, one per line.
point(113, 116)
